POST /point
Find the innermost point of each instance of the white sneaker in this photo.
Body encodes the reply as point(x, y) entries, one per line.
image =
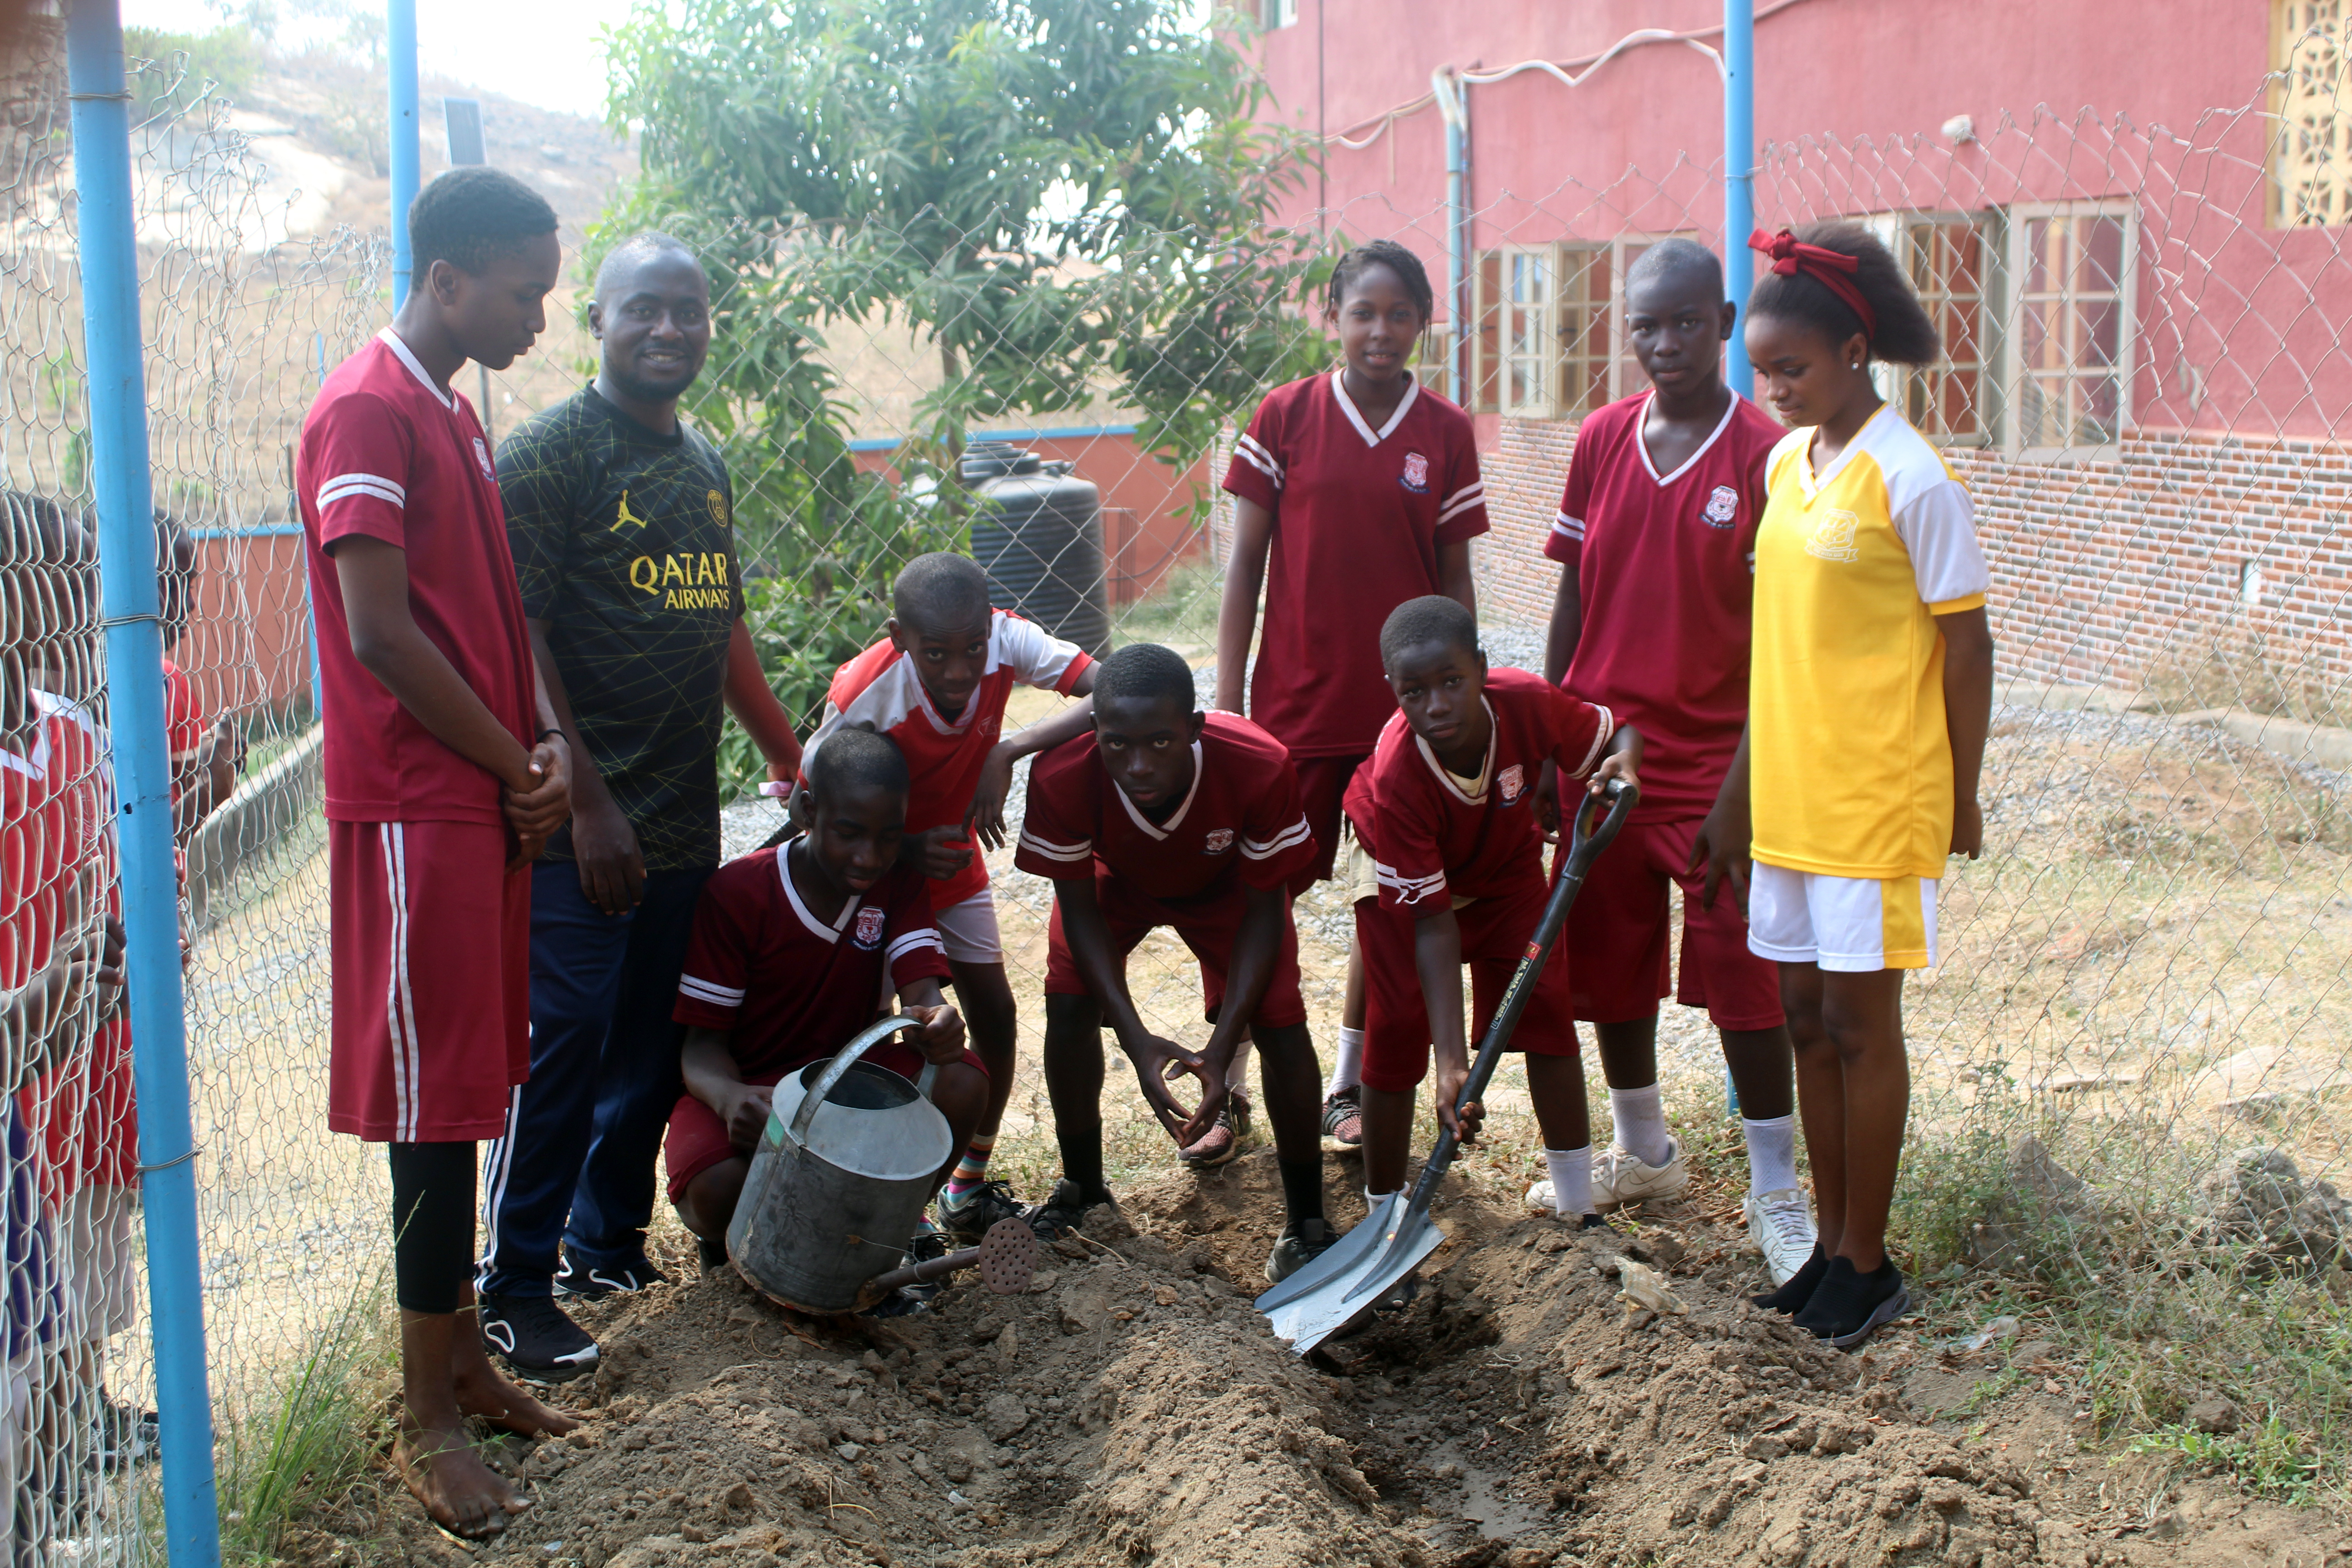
point(1780, 1224)
point(1619, 1178)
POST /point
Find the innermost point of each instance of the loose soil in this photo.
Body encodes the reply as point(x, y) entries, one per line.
point(1131, 1408)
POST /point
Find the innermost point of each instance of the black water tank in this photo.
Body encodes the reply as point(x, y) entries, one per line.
point(1038, 535)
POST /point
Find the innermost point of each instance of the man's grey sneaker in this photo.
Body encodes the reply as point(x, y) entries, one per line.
point(121, 1434)
point(1302, 1241)
point(594, 1284)
point(1619, 1177)
point(1221, 1142)
point(966, 1219)
point(1343, 1122)
point(1780, 1224)
point(1065, 1210)
point(536, 1337)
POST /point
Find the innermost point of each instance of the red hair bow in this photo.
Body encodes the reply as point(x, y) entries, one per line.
point(1834, 269)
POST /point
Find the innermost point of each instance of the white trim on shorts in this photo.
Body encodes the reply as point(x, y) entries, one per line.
point(1852, 925)
point(968, 930)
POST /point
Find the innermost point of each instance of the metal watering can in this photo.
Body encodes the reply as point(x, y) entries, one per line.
point(838, 1184)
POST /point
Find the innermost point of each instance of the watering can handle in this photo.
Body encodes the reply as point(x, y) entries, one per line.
point(841, 1064)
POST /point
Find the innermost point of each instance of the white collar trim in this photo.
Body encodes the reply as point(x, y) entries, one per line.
point(1642, 445)
point(1159, 830)
point(808, 917)
point(391, 340)
point(1348, 406)
point(1813, 481)
point(1486, 768)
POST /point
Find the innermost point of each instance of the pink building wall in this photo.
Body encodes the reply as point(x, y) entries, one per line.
point(2105, 562)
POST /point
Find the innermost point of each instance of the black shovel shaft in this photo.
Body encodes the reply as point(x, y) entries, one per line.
point(1583, 850)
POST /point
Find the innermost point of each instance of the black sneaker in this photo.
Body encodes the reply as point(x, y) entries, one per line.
point(1065, 1210)
point(536, 1337)
point(1793, 1295)
point(1343, 1122)
point(966, 1219)
point(598, 1282)
point(711, 1255)
point(123, 1434)
point(1850, 1306)
point(1302, 1241)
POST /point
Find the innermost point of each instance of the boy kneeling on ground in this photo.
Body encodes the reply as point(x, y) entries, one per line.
point(791, 950)
point(1446, 812)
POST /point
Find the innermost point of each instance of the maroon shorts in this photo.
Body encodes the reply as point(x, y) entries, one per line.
point(1322, 783)
point(1208, 927)
point(430, 941)
point(1621, 931)
point(697, 1139)
point(1494, 932)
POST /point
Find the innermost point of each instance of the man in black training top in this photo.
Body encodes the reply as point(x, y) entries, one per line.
point(622, 524)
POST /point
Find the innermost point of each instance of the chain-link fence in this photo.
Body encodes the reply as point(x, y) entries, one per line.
point(2143, 387)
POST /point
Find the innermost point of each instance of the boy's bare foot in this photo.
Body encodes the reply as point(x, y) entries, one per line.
point(506, 1404)
point(459, 1491)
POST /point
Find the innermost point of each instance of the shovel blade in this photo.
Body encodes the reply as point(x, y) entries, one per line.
point(1344, 1257)
point(1392, 1251)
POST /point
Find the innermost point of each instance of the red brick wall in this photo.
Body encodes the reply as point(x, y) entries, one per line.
point(2101, 569)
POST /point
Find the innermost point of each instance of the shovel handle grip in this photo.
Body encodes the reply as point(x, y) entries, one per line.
point(840, 1066)
point(1586, 839)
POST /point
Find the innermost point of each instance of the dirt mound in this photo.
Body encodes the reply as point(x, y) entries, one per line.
point(1519, 1413)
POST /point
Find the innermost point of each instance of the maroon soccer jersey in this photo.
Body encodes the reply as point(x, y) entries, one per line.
point(1430, 838)
point(1240, 821)
point(1358, 517)
point(387, 453)
point(1663, 565)
point(791, 986)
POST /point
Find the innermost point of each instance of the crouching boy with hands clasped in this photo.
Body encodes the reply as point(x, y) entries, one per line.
point(1446, 812)
point(1168, 817)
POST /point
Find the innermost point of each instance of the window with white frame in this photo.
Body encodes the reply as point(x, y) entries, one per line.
point(2068, 344)
point(1544, 337)
point(1273, 13)
point(1434, 362)
point(1949, 259)
point(2311, 182)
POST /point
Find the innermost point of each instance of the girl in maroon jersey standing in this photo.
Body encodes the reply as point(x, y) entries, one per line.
point(1354, 490)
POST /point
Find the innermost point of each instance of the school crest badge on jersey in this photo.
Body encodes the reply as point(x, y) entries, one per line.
point(1217, 841)
point(1721, 507)
point(1833, 537)
point(482, 456)
point(1511, 781)
point(1416, 474)
point(869, 932)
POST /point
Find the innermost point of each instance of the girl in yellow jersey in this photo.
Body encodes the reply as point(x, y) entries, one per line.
point(1871, 685)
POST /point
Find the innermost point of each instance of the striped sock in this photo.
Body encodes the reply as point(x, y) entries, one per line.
point(972, 1169)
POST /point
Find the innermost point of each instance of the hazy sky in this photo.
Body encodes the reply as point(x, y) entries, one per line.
point(539, 51)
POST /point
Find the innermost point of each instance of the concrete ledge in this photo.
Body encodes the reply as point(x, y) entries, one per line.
point(251, 823)
point(2321, 744)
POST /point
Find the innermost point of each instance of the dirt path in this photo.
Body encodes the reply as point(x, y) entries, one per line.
point(1131, 1408)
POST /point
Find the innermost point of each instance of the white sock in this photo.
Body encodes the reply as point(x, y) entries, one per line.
point(1771, 1153)
point(1641, 1123)
point(1348, 1070)
point(1237, 1070)
point(1572, 1179)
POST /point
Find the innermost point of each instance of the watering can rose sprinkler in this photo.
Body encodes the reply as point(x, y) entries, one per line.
point(837, 1186)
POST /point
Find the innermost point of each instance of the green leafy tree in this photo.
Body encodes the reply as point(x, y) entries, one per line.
point(1066, 199)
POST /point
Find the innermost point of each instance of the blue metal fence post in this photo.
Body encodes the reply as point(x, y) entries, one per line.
point(134, 669)
point(400, 28)
point(1738, 222)
point(1738, 175)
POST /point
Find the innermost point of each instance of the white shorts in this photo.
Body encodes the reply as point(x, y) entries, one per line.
point(1853, 924)
point(98, 1235)
point(968, 930)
